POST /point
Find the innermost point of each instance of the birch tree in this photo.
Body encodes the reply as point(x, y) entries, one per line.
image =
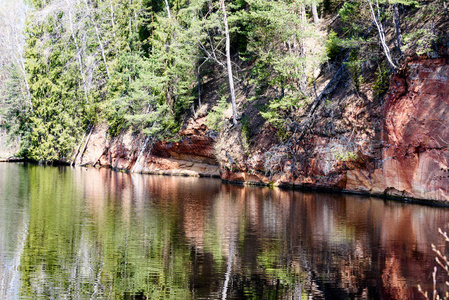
point(380, 29)
point(228, 62)
point(12, 18)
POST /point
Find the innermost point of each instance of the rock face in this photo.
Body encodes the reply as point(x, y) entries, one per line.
point(416, 132)
point(192, 156)
point(402, 152)
point(398, 147)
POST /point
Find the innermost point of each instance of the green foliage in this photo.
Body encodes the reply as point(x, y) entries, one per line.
point(382, 83)
point(420, 40)
point(136, 65)
point(280, 65)
point(104, 67)
point(344, 155)
point(271, 26)
point(13, 101)
point(348, 10)
point(59, 102)
point(354, 16)
point(278, 112)
point(332, 44)
point(354, 67)
point(215, 118)
point(245, 134)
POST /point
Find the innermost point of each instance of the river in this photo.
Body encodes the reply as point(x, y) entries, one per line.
point(86, 233)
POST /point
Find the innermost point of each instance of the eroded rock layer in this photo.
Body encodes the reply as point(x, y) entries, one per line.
point(191, 156)
point(397, 146)
point(402, 152)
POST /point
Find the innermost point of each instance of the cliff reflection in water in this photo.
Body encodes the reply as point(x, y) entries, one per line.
point(98, 233)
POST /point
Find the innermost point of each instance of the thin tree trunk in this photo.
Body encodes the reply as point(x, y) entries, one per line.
point(102, 50)
point(316, 19)
point(168, 9)
point(302, 42)
point(85, 145)
point(381, 35)
point(11, 41)
point(398, 27)
point(25, 80)
point(147, 140)
point(77, 150)
point(130, 3)
point(404, 20)
point(78, 52)
point(98, 38)
point(228, 62)
point(112, 18)
point(199, 88)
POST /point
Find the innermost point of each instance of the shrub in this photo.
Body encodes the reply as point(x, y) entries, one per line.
point(382, 83)
point(215, 119)
point(354, 68)
point(332, 45)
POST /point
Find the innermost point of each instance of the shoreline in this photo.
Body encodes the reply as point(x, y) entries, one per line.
point(292, 187)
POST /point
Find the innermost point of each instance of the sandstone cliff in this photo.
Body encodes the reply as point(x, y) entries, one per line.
point(397, 146)
point(393, 146)
point(193, 155)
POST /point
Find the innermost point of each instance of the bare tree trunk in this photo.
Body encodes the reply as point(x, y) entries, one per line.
point(20, 62)
point(130, 3)
point(404, 20)
point(77, 150)
point(228, 62)
point(78, 51)
point(85, 145)
point(112, 18)
point(102, 50)
point(98, 38)
point(11, 44)
point(302, 42)
point(381, 35)
point(168, 9)
point(134, 169)
point(316, 19)
point(398, 27)
point(199, 88)
point(27, 86)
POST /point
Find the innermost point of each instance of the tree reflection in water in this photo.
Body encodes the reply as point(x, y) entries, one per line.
point(89, 233)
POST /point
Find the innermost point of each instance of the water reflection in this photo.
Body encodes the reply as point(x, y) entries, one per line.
point(88, 233)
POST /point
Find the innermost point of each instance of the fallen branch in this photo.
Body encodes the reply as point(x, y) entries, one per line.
point(85, 145)
point(77, 150)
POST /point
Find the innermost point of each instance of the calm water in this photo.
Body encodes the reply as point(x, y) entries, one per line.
point(77, 233)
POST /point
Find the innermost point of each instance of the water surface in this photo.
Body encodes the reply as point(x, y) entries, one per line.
point(78, 233)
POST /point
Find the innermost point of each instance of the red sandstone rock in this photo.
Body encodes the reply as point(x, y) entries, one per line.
point(411, 159)
point(192, 156)
point(416, 133)
point(194, 146)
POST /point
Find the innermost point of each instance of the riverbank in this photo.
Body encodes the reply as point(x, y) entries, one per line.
point(12, 160)
point(394, 146)
point(389, 147)
point(333, 110)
